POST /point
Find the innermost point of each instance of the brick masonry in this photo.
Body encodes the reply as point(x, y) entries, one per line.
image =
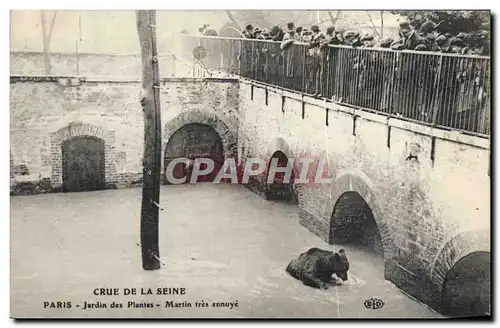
point(47, 111)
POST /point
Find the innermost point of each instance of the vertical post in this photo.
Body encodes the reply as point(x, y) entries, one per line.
point(146, 24)
point(77, 60)
point(46, 44)
point(438, 95)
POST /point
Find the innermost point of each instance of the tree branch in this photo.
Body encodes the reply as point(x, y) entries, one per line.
point(337, 16)
point(52, 24)
point(374, 28)
point(231, 17)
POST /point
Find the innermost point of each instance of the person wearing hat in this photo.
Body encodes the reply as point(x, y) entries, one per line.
point(316, 38)
point(291, 34)
point(385, 42)
point(428, 32)
point(325, 61)
point(313, 61)
point(277, 33)
point(352, 39)
point(290, 37)
point(306, 36)
point(442, 44)
point(256, 32)
point(410, 39)
point(329, 37)
point(248, 32)
point(367, 40)
point(265, 35)
point(339, 34)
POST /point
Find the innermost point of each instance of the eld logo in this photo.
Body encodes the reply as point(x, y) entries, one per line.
point(374, 303)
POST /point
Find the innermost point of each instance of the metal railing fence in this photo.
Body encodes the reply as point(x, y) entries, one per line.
point(445, 90)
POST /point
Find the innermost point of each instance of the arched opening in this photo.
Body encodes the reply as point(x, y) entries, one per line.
point(192, 141)
point(466, 288)
point(83, 164)
point(279, 188)
point(352, 222)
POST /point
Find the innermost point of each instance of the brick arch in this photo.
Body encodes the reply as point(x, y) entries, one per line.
point(456, 248)
point(228, 137)
point(77, 129)
point(355, 181)
point(280, 144)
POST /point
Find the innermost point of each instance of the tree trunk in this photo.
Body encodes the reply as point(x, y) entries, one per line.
point(146, 21)
point(374, 28)
point(336, 18)
point(46, 35)
point(381, 24)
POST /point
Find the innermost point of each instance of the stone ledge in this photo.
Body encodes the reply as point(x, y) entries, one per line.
point(465, 138)
point(116, 79)
point(415, 286)
point(317, 226)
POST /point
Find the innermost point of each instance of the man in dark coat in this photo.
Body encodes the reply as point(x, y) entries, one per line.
point(248, 32)
point(409, 37)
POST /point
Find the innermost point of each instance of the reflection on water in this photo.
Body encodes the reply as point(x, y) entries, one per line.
point(221, 242)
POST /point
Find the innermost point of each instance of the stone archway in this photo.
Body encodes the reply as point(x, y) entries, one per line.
point(467, 287)
point(192, 141)
point(352, 221)
point(467, 254)
point(207, 120)
point(279, 148)
point(279, 188)
point(74, 130)
point(228, 136)
point(352, 203)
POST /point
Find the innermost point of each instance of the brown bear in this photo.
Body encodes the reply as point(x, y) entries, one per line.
point(316, 267)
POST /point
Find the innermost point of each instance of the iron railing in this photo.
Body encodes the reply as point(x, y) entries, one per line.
point(444, 90)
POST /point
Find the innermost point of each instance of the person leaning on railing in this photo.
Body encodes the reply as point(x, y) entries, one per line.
point(248, 32)
point(289, 38)
point(313, 62)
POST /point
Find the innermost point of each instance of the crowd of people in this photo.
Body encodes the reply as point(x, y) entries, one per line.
point(369, 79)
point(425, 38)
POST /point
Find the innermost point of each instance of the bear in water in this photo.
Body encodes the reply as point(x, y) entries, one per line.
point(316, 267)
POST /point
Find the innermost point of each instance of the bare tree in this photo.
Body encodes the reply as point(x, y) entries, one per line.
point(373, 27)
point(46, 39)
point(231, 17)
point(336, 18)
point(381, 24)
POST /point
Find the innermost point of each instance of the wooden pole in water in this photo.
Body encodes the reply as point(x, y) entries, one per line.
point(150, 101)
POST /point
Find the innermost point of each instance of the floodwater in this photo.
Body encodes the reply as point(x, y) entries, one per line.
point(222, 243)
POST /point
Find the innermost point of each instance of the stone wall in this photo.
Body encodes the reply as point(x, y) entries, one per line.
point(427, 189)
point(424, 186)
point(47, 111)
point(88, 64)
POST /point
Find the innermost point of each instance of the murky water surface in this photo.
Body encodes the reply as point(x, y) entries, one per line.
point(221, 242)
